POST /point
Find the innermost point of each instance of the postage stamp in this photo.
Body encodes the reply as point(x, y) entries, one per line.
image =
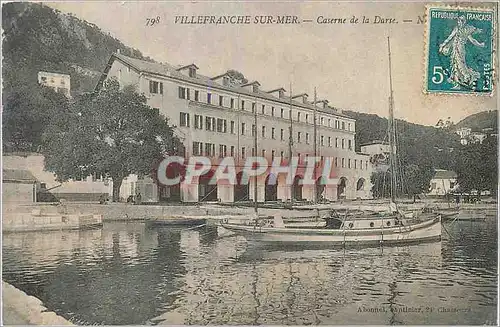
point(460, 50)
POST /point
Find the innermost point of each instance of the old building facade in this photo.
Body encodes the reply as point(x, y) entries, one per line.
point(218, 116)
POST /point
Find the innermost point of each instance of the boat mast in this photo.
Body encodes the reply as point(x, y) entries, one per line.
point(392, 132)
point(290, 143)
point(315, 146)
point(255, 147)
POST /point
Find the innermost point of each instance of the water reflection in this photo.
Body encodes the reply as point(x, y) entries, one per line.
point(128, 274)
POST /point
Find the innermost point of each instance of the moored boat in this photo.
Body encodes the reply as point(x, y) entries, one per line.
point(392, 229)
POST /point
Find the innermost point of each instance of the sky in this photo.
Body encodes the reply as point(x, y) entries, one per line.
point(347, 63)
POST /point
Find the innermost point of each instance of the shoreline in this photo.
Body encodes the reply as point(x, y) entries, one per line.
point(19, 308)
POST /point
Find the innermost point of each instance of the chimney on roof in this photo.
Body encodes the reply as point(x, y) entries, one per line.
point(280, 92)
point(303, 97)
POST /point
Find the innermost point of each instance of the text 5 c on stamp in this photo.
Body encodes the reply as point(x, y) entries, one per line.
point(460, 49)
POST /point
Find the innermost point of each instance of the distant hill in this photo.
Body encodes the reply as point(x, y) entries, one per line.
point(418, 144)
point(479, 121)
point(37, 37)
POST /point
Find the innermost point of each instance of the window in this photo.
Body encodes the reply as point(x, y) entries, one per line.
point(263, 153)
point(349, 126)
point(192, 72)
point(336, 162)
point(273, 130)
point(263, 131)
point(322, 121)
point(232, 127)
point(329, 123)
point(322, 140)
point(253, 152)
point(155, 87)
point(242, 104)
point(222, 150)
point(282, 154)
point(433, 186)
point(272, 111)
point(282, 134)
point(243, 153)
point(298, 116)
point(307, 118)
point(210, 149)
point(361, 164)
point(263, 109)
point(343, 125)
point(209, 98)
point(366, 164)
point(343, 163)
point(184, 119)
point(196, 95)
point(282, 113)
point(221, 100)
point(197, 148)
point(349, 163)
point(253, 107)
point(242, 128)
point(44, 79)
point(336, 142)
point(210, 123)
point(198, 122)
point(343, 143)
point(349, 144)
point(182, 92)
point(232, 103)
point(253, 130)
point(336, 124)
point(232, 151)
point(221, 125)
point(298, 137)
point(355, 163)
point(307, 138)
point(329, 141)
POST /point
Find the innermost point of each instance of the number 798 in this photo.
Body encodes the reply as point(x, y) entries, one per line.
point(153, 21)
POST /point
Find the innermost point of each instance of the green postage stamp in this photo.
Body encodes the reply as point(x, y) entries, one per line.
point(460, 49)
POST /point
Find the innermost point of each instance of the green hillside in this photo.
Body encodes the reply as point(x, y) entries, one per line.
point(37, 37)
point(481, 120)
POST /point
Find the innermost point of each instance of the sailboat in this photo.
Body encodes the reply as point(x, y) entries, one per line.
point(392, 227)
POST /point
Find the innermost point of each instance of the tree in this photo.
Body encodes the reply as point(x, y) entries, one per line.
point(112, 131)
point(237, 77)
point(416, 180)
point(476, 166)
point(28, 109)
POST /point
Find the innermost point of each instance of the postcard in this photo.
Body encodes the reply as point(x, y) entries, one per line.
point(249, 163)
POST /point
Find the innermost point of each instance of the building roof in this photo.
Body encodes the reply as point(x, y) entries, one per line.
point(18, 176)
point(169, 71)
point(444, 174)
point(374, 142)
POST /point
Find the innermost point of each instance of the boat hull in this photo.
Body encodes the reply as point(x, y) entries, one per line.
point(421, 232)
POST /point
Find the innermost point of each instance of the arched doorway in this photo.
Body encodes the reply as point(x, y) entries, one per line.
point(360, 185)
point(207, 191)
point(341, 188)
point(271, 188)
point(241, 191)
point(320, 189)
point(297, 188)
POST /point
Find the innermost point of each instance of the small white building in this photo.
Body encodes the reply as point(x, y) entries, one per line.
point(59, 82)
point(443, 182)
